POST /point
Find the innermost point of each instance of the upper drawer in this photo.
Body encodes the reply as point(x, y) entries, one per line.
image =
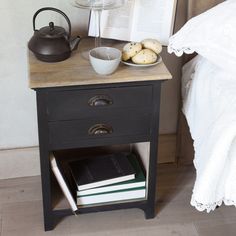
point(82, 103)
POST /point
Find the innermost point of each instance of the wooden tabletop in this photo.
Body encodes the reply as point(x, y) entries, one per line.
point(77, 70)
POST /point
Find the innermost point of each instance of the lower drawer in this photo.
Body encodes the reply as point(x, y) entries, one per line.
point(70, 133)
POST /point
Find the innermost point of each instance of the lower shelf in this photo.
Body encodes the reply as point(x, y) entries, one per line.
point(139, 192)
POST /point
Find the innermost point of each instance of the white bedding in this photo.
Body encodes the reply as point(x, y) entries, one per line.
point(209, 104)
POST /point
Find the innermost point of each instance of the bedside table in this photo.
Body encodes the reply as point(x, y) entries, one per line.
point(79, 109)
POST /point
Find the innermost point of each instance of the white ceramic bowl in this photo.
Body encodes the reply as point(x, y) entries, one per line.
point(105, 60)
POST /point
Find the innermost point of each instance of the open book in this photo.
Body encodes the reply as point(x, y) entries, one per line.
point(137, 20)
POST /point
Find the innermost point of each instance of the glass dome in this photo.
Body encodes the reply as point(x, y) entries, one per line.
point(96, 7)
point(98, 4)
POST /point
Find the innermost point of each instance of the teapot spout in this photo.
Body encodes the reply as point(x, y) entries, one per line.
point(74, 43)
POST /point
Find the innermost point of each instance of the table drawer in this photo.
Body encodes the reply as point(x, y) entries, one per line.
point(62, 133)
point(83, 103)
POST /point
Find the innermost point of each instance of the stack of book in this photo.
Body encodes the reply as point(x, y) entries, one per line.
point(108, 178)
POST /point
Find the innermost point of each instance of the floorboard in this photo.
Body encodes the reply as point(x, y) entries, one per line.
point(21, 212)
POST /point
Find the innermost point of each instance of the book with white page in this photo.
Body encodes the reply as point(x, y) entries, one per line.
point(62, 183)
point(139, 181)
point(137, 20)
point(119, 195)
point(103, 170)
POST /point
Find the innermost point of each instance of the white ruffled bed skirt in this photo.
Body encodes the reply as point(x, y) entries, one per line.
point(211, 206)
point(209, 104)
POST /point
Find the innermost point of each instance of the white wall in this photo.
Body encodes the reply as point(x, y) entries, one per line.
point(18, 121)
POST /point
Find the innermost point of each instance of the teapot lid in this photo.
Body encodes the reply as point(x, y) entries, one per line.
point(52, 31)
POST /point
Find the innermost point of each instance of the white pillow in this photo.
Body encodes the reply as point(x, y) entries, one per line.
point(211, 34)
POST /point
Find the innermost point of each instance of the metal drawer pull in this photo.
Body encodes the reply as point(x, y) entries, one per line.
point(100, 129)
point(100, 100)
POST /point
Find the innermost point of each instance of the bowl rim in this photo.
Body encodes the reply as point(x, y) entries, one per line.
point(106, 47)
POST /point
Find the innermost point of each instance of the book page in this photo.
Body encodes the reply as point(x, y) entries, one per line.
point(153, 19)
point(115, 23)
point(137, 20)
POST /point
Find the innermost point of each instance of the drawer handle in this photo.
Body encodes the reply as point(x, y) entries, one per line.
point(100, 100)
point(100, 129)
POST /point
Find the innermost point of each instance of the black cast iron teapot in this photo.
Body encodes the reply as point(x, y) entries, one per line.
point(52, 43)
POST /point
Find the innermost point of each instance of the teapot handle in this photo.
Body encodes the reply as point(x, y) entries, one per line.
point(52, 9)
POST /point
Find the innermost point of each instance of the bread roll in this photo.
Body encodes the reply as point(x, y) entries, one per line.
point(145, 56)
point(130, 50)
point(152, 44)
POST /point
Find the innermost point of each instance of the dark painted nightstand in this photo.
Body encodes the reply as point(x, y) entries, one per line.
point(78, 109)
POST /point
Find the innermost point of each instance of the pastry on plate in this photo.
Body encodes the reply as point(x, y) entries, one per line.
point(130, 50)
point(145, 56)
point(152, 44)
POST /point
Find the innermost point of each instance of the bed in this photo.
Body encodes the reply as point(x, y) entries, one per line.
point(209, 102)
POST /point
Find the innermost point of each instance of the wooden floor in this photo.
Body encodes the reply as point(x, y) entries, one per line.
point(21, 212)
